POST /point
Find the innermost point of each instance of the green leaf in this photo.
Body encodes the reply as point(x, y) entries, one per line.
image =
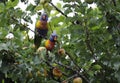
point(38, 8)
point(3, 46)
point(68, 11)
point(91, 73)
point(55, 20)
point(117, 76)
point(66, 5)
point(37, 2)
point(59, 5)
point(3, 20)
point(2, 7)
point(97, 67)
point(18, 12)
point(0, 63)
point(67, 1)
point(30, 7)
point(28, 19)
point(12, 3)
point(52, 81)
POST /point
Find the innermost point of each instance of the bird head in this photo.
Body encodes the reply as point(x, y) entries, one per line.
point(44, 17)
point(53, 37)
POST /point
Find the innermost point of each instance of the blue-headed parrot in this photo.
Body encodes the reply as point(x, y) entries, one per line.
point(41, 30)
point(50, 43)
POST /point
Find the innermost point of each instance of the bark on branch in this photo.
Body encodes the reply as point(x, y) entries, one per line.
point(58, 9)
point(88, 43)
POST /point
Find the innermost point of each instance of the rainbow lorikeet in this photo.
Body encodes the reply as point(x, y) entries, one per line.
point(41, 29)
point(50, 43)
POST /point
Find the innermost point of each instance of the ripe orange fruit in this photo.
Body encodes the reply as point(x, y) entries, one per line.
point(77, 80)
point(41, 49)
point(61, 51)
point(64, 81)
point(57, 72)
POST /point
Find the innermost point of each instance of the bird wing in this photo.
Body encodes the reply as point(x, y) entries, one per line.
point(41, 24)
point(49, 45)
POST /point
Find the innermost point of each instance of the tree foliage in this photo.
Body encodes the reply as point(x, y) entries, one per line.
point(89, 36)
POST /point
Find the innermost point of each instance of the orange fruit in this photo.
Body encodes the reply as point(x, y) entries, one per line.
point(57, 72)
point(77, 80)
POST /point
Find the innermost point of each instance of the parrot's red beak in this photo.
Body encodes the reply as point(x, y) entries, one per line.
point(44, 17)
point(55, 38)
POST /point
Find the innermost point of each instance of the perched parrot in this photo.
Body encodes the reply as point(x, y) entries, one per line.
point(41, 29)
point(50, 43)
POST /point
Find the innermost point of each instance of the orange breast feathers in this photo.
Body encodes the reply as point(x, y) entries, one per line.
point(41, 24)
point(49, 45)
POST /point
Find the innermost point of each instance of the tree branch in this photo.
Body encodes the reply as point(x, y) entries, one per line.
point(51, 67)
point(88, 43)
point(87, 81)
point(73, 61)
point(58, 9)
point(79, 69)
point(67, 67)
point(69, 78)
point(118, 28)
point(114, 2)
point(78, 73)
point(75, 22)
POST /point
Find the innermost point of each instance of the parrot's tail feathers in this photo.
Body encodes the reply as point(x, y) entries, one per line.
point(37, 41)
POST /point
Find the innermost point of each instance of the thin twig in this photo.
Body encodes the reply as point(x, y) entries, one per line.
point(114, 2)
point(67, 67)
point(78, 22)
point(118, 28)
point(73, 61)
point(88, 43)
point(58, 9)
point(69, 78)
point(47, 62)
point(87, 81)
point(76, 71)
point(79, 69)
